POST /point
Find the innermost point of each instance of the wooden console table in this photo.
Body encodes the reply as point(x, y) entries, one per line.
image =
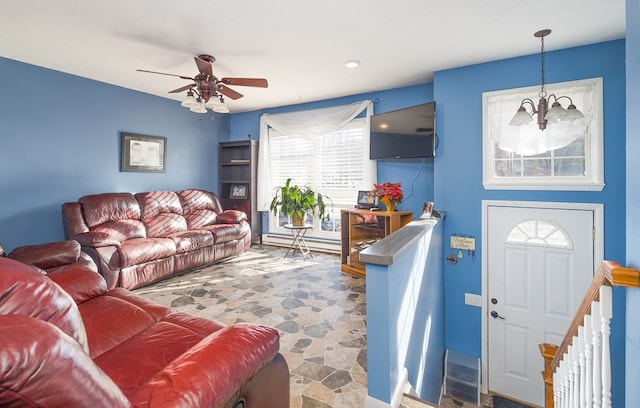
point(361, 228)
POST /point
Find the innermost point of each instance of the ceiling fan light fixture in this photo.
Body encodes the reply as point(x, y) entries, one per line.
point(206, 86)
point(221, 109)
point(198, 107)
point(189, 100)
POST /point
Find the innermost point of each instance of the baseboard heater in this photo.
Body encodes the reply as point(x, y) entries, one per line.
point(314, 244)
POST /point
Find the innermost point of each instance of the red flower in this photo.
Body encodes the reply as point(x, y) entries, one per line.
point(390, 190)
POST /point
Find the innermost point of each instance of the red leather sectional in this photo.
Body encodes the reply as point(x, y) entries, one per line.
point(68, 341)
point(136, 239)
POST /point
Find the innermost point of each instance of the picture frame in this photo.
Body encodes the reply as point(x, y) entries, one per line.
point(238, 191)
point(143, 153)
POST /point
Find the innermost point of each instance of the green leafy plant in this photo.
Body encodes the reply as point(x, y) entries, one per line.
point(295, 200)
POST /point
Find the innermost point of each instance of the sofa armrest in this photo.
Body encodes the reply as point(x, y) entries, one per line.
point(96, 239)
point(231, 217)
point(48, 255)
point(214, 370)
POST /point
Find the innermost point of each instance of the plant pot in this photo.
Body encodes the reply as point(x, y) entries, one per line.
point(388, 203)
point(297, 220)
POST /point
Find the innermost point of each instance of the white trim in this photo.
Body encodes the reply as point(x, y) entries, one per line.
point(598, 256)
point(594, 150)
point(396, 398)
point(320, 245)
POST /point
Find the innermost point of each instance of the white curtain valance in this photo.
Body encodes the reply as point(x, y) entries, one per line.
point(305, 123)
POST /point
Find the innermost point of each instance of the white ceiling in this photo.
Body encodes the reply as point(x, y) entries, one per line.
point(299, 46)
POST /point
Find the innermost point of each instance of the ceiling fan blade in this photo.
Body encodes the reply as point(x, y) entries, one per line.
point(164, 73)
point(181, 89)
point(204, 66)
point(258, 82)
point(228, 92)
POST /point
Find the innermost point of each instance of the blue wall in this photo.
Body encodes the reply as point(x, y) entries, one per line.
point(405, 323)
point(633, 199)
point(416, 175)
point(61, 139)
point(459, 190)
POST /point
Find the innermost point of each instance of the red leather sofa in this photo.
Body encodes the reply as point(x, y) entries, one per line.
point(67, 341)
point(136, 239)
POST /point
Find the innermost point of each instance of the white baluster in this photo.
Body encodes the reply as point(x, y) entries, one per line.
point(606, 314)
point(588, 344)
point(563, 383)
point(597, 355)
point(576, 373)
point(583, 368)
point(570, 370)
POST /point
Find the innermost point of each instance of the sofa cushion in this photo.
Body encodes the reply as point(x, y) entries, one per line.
point(121, 230)
point(140, 250)
point(40, 366)
point(188, 241)
point(170, 337)
point(26, 292)
point(113, 319)
point(161, 213)
point(100, 208)
point(200, 208)
point(193, 200)
point(227, 232)
point(197, 219)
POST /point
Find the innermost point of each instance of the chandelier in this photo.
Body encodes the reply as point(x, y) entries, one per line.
point(544, 114)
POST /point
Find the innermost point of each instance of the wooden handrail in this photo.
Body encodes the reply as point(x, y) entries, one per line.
point(609, 273)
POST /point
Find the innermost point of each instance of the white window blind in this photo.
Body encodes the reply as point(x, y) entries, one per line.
point(334, 164)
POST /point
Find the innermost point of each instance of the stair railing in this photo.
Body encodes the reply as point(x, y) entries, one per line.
point(578, 373)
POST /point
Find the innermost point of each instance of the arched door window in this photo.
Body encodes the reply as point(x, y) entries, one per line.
point(540, 233)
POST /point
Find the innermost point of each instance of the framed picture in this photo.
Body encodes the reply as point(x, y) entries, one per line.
point(238, 191)
point(142, 153)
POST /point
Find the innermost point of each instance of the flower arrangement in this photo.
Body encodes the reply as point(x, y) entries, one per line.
point(388, 191)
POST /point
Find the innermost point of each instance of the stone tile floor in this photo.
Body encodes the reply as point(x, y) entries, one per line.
point(319, 311)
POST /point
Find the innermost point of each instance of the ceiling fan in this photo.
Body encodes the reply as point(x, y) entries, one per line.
point(207, 90)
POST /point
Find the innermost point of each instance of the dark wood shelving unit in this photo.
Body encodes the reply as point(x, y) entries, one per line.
point(238, 174)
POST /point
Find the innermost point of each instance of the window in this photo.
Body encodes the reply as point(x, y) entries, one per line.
point(334, 164)
point(540, 233)
point(565, 156)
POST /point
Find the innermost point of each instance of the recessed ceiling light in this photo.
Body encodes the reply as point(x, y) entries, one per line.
point(352, 63)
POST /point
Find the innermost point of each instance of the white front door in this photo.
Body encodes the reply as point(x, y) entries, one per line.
point(540, 263)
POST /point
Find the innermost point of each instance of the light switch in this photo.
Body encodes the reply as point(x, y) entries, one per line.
point(472, 299)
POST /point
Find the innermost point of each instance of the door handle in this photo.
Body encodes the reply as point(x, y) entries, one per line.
point(495, 314)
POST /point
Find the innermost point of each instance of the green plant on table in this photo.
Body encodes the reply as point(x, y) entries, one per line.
point(296, 201)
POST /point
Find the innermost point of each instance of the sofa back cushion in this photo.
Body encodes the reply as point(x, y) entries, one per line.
point(161, 213)
point(200, 208)
point(23, 291)
point(117, 214)
point(44, 367)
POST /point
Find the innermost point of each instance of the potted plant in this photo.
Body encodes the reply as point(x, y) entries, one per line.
point(296, 202)
point(389, 194)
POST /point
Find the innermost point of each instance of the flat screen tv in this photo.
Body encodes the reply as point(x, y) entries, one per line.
point(404, 133)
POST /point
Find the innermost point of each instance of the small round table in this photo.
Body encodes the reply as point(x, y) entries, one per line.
point(298, 243)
